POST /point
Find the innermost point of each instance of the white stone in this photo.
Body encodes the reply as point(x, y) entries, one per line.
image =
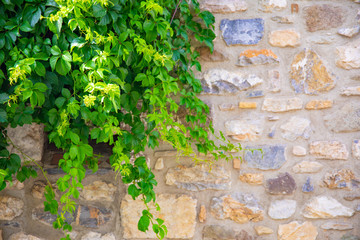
point(282, 209)
point(348, 57)
point(329, 150)
point(248, 129)
point(349, 32)
point(326, 207)
point(337, 226)
point(159, 165)
point(274, 81)
point(351, 91)
point(356, 149)
point(270, 5)
point(282, 104)
point(307, 167)
point(321, 39)
point(296, 127)
point(299, 151)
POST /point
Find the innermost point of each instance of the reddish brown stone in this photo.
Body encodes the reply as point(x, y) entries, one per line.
point(283, 184)
point(323, 17)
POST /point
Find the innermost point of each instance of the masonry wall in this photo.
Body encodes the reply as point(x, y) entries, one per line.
point(283, 78)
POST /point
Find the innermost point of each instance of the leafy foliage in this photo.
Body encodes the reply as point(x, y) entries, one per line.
point(116, 71)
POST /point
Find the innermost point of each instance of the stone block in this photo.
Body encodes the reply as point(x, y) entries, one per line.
point(318, 104)
point(297, 231)
point(236, 163)
point(255, 94)
point(348, 56)
point(271, 5)
point(159, 165)
point(224, 6)
point(333, 150)
point(332, 225)
point(323, 17)
point(283, 184)
point(351, 91)
point(99, 191)
point(341, 179)
point(257, 57)
point(178, 212)
point(226, 107)
point(325, 207)
point(284, 38)
point(299, 151)
point(262, 230)
point(345, 119)
point(307, 167)
point(98, 236)
point(202, 214)
point(10, 207)
point(269, 158)
point(252, 178)
point(283, 19)
point(282, 209)
point(308, 187)
point(247, 129)
point(274, 81)
point(282, 104)
point(247, 105)
point(349, 32)
point(242, 31)
point(296, 127)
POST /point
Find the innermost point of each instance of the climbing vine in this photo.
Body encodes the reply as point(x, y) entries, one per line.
point(115, 71)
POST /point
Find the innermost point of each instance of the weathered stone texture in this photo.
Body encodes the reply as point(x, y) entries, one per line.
point(329, 150)
point(309, 75)
point(297, 231)
point(222, 82)
point(217, 232)
point(284, 38)
point(270, 156)
point(271, 5)
point(349, 32)
point(351, 91)
point(282, 209)
point(242, 31)
point(326, 207)
point(10, 207)
point(356, 149)
point(299, 151)
point(30, 139)
point(226, 107)
point(248, 129)
point(283, 184)
point(344, 178)
point(274, 81)
point(236, 163)
point(224, 6)
point(255, 94)
point(240, 208)
point(332, 225)
point(257, 57)
point(318, 104)
point(345, 119)
point(282, 104)
point(199, 177)
point(252, 178)
point(159, 165)
point(202, 214)
point(348, 56)
point(307, 187)
point(262, 230)
point(307, 167)
point(23, 236)
point(323, 17)
point(296, 127)
point(283, 19)
point(215, 56)
point(99, 191)
point(353, 196)
point(179, 214)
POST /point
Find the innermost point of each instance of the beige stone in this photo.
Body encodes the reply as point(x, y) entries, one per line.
point(10, 207)
point(236, 163)
point(16, 184)
point(326, 207)
point(247, 105)
point(343, 179)
point(348, 57)
point(318, 104)
point(246, 129)
point(299, 151)
point(332, 225)
point(351, 91)
point(274, 81)
point(252, 178)
point(295, 128)
point(284, 38)
point(284, 19)
point(282, 104)
point(178, 212)
point(23, 236)
point(297, 231)
point(99, 191)
point(271, 5)
point(202, 214)
point(307, 167)
point(159, 165)
point(329, 150)
point(344, 118)
point(224, 6)
point(199, 177)
point(327, 39)
point(261, 230)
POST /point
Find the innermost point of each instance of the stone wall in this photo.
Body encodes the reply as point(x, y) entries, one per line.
point(284, 78)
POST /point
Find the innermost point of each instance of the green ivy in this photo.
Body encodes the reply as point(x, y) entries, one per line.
point(115, 71)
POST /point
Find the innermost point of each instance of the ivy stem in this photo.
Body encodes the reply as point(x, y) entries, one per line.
point(177, 6)
point(31, 159)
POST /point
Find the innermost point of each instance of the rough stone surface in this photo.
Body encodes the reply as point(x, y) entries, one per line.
point(271, 5)
point(262, 230)
point(239, 207)
point(323, 17)
point(257, 57)
point(332, 225)
point(99, 191)
point(274, 81)
point(255, 94)
point(284, 38)
point(326, 207)
point(215, 56)
point(224, 6)
point(242, 31)
point(23, 236)
point(307, 187)
point(351, 91)
point(344, 178)
point(283, 19)
point(271, 157)
point(16, 185)
point(348, 56)
point(351, 197)
point(10, 207)
point(248, 129)
point(252, 178)
point(202, 214)
point(349, 32)
point(327, 39)
point(282, 104)
point(159, 165)
point(179, 214)
point(329, 150)
point(297, 231)
point(247, 105)
point(282, 209)
point(356, 149)
point(307, 167)
point(318, 104)
point(283, 184)
point(296, 127)
point(217, 232)
point(299, 151)
point(98, 236)
point(345, 119)
point(30, 139)
point(226, 107)
point(221, 81)
point(199, 177)
point(309, 75)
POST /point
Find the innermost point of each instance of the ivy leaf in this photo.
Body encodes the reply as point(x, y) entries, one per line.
point(3, 115)
point(35, 17)
point(55, 50)
point(4, 97)
point(26, 27)
point(59, 102)
point(40, 69)
point(53, 61)
point(143, 224)
point(63, 67)
point(67, 56)
point(77, 42)
point(99, 11)
point(40, 86)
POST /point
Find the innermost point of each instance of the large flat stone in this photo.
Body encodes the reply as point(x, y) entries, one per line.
point(283, 184)
point(333, 225)
point(323, 17)
point(199, 177)
point(349, 32)
point(309, 75)
point(329, 150)
point(224, 6)
point(282, 104)
point(282, 209)
point(10, 207)
point(351, 91)
point(296, 127)
point(307, 167)
point(252, 178)
point(271, 157)
point(325, 207)
point(257, 57)
point(239, 207)
point(30, 139)
point(341, 179)
point(99, 191)
point(223, 82)
point(348, 56)
point(318, 104)
point(297, 231)
point(178, 212)
point(345, 119)
point(284, 38)
point(242, 31)
point(247, 129)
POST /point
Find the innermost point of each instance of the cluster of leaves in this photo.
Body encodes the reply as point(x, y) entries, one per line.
point(116, 71)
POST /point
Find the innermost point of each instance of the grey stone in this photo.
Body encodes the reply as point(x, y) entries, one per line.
point(10, 207)
point(282, 209)
point(345, 119)
point(349, 32)
point(283, 184)
point(357, 208)
point(199, 177)
point(255, 94)
point(325, 207)
point(271, 157)
point(308, 187)
point(242, 31)
point(296, 127)
point(38, 214)
point(226, 107)
point(323, 17)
